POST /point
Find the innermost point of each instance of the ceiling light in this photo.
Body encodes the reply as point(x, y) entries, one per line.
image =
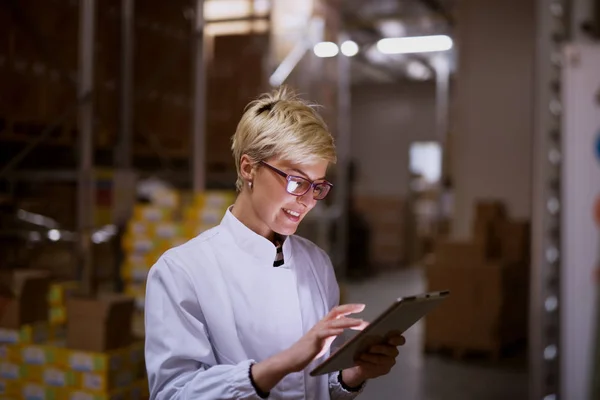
point(415, 44)
point(349, 48)
point(326, 49)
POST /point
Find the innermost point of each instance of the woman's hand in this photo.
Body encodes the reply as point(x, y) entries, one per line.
point(312, 345)
point(375, 362)
point(317, 341)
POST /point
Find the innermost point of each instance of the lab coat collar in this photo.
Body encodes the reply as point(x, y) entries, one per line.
point(253, 243)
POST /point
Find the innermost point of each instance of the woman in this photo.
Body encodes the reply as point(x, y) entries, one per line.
point(245, 310)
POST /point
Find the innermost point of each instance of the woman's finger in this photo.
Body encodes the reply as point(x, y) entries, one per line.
point(327, 333)
point(346, 323)
point(397, 340)
point(377, 359)
point(390, 351)
point(343, 310)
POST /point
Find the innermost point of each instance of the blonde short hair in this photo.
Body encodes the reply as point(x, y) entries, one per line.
point(279, 124)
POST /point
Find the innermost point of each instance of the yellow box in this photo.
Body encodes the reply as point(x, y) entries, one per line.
point(206, 216)
point(59, 291)
point(166, 198)
point(135, 354)
point(102, 382)
point(35, 354)
point(59, 378)
point(10, 353)
point(36, 333)
point(17, 371)
point(138, 228)
point(151, 213)
point(134, 289)
point(37, 391)
point(139, 390)
point(134, 273)
point(215, 199)
point(77, 394)
point(168, 230)
point(10, 388)
point(58, 333)
point(138, 244)
point(57, 315)
point(80, 361)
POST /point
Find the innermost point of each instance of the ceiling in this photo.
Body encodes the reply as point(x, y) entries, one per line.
point(367, 21)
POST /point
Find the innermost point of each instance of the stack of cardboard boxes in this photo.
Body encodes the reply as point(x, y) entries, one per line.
point(95, 357)
point(170, 219)
point(488, 278)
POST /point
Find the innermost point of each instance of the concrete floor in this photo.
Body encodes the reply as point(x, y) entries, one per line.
point(432, 377)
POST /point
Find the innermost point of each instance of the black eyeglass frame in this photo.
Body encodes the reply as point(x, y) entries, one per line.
point(288, 177)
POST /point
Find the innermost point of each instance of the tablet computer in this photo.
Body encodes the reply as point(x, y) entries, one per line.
point(398, 317)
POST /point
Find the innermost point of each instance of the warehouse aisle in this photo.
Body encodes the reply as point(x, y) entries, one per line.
point(419, 377)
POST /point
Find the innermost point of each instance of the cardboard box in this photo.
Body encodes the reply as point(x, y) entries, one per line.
point(514, 241)
point(488, 234)
point(490, 210)
point(93, 321)
point(6, 297)
point(461, 253)
point(487, 307)
point(30, 303)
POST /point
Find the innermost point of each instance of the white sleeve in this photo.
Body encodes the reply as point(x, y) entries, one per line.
point(336, 391)
point(179, 358)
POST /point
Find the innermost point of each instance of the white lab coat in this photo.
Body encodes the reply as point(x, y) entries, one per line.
point(216, 303)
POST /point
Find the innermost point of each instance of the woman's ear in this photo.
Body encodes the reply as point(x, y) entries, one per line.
point(247, 168)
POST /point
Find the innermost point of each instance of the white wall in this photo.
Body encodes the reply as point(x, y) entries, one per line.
point(493, 120)
point(386, 119)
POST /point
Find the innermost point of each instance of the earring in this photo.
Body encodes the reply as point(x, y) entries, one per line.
point(250, 185)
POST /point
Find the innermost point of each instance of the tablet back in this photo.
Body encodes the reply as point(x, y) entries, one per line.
point(400, 316)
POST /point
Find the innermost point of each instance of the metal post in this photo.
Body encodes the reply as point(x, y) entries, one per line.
point(124, 154)
point(442, 91)
point(85, 193)
point(545, 300)
point(199, 106)
point(343, 141)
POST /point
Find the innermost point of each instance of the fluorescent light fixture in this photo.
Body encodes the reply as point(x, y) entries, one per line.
point(349, 48)
point(415, 44)
point(326, 49)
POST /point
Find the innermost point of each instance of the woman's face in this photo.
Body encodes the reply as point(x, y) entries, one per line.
point(278, 210)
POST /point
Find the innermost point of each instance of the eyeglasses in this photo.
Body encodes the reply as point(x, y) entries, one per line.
point(299, 186)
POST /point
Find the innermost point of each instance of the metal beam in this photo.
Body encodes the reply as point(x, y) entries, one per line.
point(343, 144)
point(545, 296)
point(199, 108)
point(85, 193)
point(124, 153)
